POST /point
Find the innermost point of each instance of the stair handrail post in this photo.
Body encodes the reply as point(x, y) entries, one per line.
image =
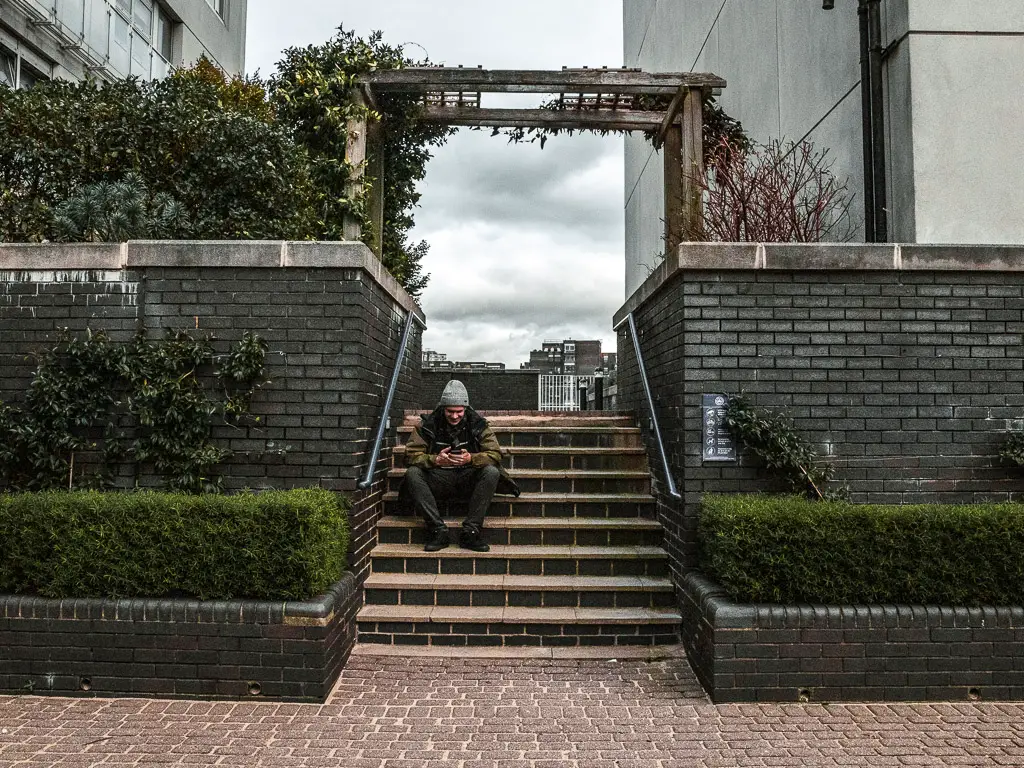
point(367, 480)
point(650, 403)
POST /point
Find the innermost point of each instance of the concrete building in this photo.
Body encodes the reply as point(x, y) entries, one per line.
point(112, 39)
point(569, 357)
point(952, 108)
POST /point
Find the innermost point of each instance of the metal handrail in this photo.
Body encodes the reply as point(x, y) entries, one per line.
point(383, 424)
point(650, 401)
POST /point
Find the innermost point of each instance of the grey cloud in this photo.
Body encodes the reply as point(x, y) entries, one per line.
point(568, 186)
point(526, 244)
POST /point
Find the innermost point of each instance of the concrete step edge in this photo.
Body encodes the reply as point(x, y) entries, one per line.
point(515, 450)
point(517, 583)
point(561, 474)
point(554, 523)
point(607, 653)
point(539, 498)
point(523, 551)
point(550, 429)
point(491, 615)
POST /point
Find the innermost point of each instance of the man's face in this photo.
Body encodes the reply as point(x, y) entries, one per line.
point(454, 414)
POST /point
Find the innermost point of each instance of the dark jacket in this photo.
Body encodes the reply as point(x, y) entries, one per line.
point(434, 434)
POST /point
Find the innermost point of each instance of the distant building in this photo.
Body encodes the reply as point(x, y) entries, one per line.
point(440, 361)
point(569, 357)
point(113, 39)
point(478, 366)
point(432, 359)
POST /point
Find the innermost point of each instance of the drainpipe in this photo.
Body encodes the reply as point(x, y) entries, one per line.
point(867, 127)
point(876, 225)
point(877, 120)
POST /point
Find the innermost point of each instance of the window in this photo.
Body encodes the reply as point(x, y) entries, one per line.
point(162, 40)
point(120, 44)
point(71, 14)
point(8, 68)
point(15, 72)
point(142, 17)
point(218, 6)
point(29, 77)
point(141, 55)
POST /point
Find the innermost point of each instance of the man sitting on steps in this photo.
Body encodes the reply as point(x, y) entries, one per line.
point(453, 454)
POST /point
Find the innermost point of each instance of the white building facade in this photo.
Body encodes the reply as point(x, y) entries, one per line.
point(112, 39)
point(953, 105)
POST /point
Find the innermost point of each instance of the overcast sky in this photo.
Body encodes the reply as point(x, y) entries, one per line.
point(525, 244)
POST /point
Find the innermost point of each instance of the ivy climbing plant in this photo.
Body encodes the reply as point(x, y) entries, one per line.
point(773, 439)
point(315, 91)
point(111, 407)
point(1013, 449)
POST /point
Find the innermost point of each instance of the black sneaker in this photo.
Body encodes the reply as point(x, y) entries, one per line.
point(472, 538)
point(437, 540)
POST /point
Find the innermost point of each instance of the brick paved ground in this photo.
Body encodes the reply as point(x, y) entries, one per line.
point(484, 713)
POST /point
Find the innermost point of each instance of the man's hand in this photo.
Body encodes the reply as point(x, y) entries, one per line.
point(449, 458)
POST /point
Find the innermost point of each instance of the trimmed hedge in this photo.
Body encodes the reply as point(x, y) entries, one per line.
point(791, 550)
point(273, 545)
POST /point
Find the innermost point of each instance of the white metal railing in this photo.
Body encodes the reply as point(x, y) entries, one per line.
point(560, 392)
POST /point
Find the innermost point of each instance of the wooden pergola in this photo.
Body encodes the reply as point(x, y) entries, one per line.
point(597, 99)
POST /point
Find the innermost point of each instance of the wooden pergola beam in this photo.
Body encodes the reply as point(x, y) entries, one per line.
point(605, 81)
point(677, 129)
point(617, 120)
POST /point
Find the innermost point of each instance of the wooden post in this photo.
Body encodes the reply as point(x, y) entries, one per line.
point(355, 156)
point(375, 205)
point(672, 155)
point(693, 159)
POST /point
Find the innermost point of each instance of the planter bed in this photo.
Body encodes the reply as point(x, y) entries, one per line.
point(178, 647)
point(765, 652)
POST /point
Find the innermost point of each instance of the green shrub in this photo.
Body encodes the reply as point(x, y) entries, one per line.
point(792, 550)
point(274, 545)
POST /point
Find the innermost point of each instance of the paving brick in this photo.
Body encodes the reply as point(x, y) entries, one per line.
point(504, 713)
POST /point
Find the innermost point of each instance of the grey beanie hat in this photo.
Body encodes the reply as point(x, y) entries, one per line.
point(454, 394)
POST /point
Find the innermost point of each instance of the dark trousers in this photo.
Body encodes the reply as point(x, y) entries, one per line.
point(423, 488)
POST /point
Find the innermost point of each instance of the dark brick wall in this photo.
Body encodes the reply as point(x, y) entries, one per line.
point(907, 379)
point(488, 390)
point(178, 648)
point(850, 653)
point(332, 316)
point(333, 333)
point(31, 312)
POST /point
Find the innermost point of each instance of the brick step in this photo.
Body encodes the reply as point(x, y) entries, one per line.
point(522, 560)
point(595, 505)
point(559, 457)
point(521, 591)
point(544, 418)
point(548, 436)
point(513, 626)
point(565, 480)
point(548, 531)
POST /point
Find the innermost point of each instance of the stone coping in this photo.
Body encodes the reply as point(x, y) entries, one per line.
point(723, 613)
point(717, 257)
point(317, 611)
point(241, 254)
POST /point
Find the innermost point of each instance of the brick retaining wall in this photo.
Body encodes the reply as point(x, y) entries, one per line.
point(333, 318)
point(178, 648)
point(332, 315)
point(850, 653)
point(903, 364)
point(488, 390)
